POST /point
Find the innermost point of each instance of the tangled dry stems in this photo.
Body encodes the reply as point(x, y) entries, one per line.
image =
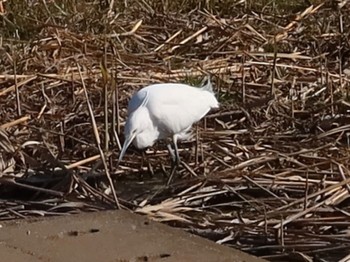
point(268, 173)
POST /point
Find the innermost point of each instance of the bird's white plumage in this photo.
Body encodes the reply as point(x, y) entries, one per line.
point(166, 110)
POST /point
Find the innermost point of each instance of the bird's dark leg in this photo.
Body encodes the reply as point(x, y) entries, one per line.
point(176, 159)
point(148, 163)
point(171, 153)
point(172, 173)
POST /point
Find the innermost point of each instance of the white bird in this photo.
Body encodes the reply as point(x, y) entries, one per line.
point(162, 111)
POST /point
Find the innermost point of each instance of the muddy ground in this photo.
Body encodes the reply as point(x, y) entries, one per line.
point(107, 236)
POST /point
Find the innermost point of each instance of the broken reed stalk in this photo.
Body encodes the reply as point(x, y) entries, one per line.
point(115, 111)
point(243, 79)
point(15, 122)
point(11, 181)
point(18, 100)
point(105, 77)
point(97, 139)
point(273, 72)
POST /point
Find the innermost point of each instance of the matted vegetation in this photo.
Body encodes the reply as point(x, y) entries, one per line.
point(268, 173)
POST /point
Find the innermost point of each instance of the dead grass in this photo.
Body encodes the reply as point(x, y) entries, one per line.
point(267, 174)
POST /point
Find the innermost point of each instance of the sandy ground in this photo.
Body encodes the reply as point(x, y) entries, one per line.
point(107, 236)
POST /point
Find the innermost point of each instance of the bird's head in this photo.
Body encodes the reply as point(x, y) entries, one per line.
point(139, 129)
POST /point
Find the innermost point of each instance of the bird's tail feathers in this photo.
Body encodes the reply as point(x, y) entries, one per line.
point(207, 85)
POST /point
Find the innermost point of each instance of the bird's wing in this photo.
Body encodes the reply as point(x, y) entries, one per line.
point(175, 111)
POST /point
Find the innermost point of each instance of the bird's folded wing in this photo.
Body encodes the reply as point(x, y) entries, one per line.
point(177, 117)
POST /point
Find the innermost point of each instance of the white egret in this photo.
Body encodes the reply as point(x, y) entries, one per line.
point(162, 111)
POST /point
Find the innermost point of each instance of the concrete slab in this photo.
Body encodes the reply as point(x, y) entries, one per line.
point(118, 236)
